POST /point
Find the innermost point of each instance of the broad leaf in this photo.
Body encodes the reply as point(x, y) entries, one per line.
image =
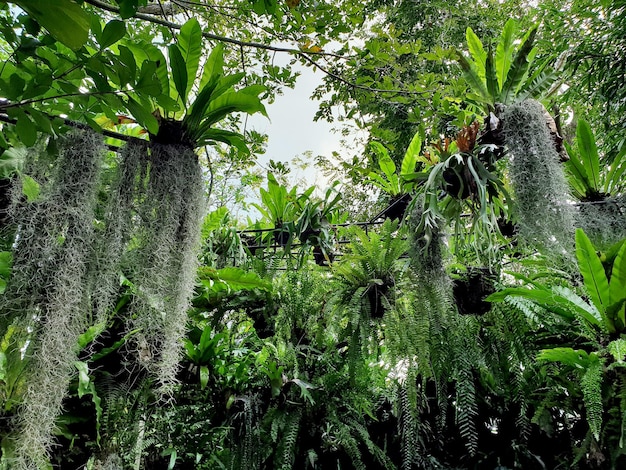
point(476, 49)
point(143, 116)
point(570, 357)
point(594, 277)
point(588, 153)
point(617, 285)
point(113, 32)
point(473, 79)
point(504, 52)
point(518, 68)
point(190, 43)
point(179, 72)
point(410, 156)
point(65, 20)
point(214, 65)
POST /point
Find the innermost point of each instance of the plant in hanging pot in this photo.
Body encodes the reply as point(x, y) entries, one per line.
point(397, 184)
point(280, 207)
point(471, 288)
point(460, 186)
point(314, 224)
point(600, 211)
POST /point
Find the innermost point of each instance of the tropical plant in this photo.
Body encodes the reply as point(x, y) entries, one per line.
point(281, 208)
point(587, 345)
point(598, 189)
point(503, 77)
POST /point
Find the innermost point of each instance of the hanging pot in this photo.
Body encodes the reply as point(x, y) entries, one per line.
point(471, 291)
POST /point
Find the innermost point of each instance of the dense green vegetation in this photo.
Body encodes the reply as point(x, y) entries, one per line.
point(455, 299)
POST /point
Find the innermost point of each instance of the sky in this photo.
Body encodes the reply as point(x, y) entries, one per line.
point(291, 129)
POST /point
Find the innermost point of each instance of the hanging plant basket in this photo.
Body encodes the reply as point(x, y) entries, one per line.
point(471, 290)
point(397, 207)
point(321, 257)
point(375, 296)
point(282, 234)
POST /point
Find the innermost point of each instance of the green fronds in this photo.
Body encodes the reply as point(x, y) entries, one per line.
point(289, 441)
point(591, 386)
point(466, 405)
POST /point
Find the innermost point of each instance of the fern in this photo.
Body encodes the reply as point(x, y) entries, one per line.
point(591, 386)
point(289, 441)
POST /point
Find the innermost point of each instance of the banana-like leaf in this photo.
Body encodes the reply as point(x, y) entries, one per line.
point(616, 173)
point(518, 68)
point(588, 151)
point(231, 138)
point(476, 49)
point(594, 277)
point(473, 79)
point(578, 176)
point(491, 78)
point(233, 102)
point(190, 44)
point(410, 156)
point(617, 285)
point(179, 72)
point(504, 52)
point(214, 65)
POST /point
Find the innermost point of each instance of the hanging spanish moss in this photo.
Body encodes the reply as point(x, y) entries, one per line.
point(52, 254)
point(164, 259)
point(545, 211)
point(603, 219)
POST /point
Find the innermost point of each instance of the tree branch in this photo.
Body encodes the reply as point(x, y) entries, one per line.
point(80, 125)
point(152, 19)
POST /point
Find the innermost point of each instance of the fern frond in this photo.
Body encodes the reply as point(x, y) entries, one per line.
point(591, 386)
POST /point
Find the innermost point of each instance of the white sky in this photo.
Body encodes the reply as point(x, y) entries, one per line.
point(291, 129)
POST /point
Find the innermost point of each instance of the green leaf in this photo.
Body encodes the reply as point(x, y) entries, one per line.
point(30, 188)
point(594, 277)
point(518, 68)
point(26, 129)
point(12, 161)
point(6, 261)
point(229, 103)
point(204, 377)
point(617, 285)
point(179, 72)
point(588, 153)
point(65, 20)
point(128, 8)
point(91, 334)
point(574, 358)
point(491, 79)
point(504, 52)
point(578, 175)
point(214, 65)
point(473, 79)
point(476, 49)
point(83, 378)
point(113, 32)
point(148, 82)
point(143, 116)
point(410, 156)
point(228, 137)
point(190, 43)
point(235, 278)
